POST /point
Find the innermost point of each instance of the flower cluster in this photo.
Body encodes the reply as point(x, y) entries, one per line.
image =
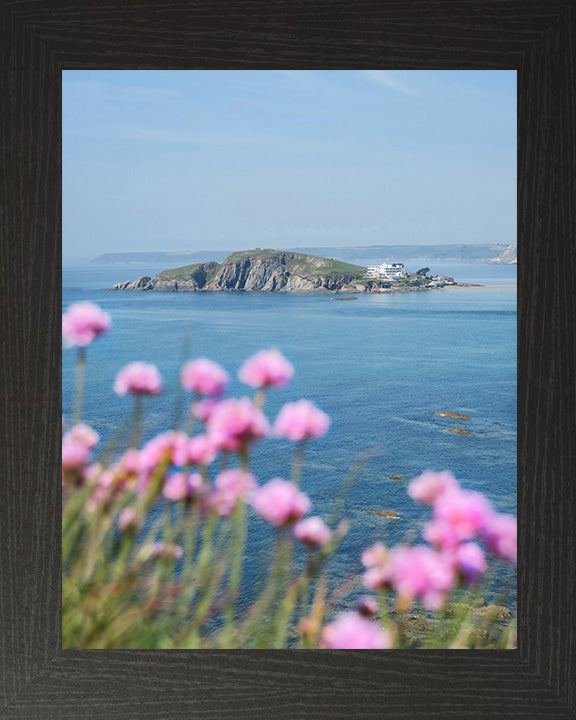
point(429, 573)
point(200, 479)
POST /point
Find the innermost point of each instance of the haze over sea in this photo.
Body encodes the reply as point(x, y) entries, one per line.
point(380, 366)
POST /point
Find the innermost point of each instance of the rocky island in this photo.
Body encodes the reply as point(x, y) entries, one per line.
point(274, 271)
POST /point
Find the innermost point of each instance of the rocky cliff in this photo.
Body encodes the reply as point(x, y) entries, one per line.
point(508, 257)
point(257, 270)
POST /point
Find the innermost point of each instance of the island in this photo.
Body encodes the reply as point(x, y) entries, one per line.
point(285, 271)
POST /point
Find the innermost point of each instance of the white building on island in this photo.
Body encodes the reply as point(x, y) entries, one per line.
point(385, 271)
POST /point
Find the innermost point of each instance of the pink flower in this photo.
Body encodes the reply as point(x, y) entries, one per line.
point(500, 536)
point(464, 513)
point(421, 572)
point(313, 531)
point(75, 455)
point(430, 485)
point(230, 487)
point(203, 377)
point(82, 323)
point(367, 606)
point(165, 551)
point(470, 562)
point(300, 421)
point(179, 486)
point(201, 450)
point(350, 631)
point(157, 451)
point(268, 368)
point(203, 409)
point(130, 461)
point(234, 424)
point(138, 378)
point(377, 560)
point(441, 534)
point(127, 519)
point(375, 555)
point(179, 448)
point(413, 572)
point(84, 435)
point(280, 502)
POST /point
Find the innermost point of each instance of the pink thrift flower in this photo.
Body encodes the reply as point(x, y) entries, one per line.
point(441, 534)
point(230, 487)
point(82, 323)
point(470, 562)
point(268, 368)
point(376, 555)
point(127, 519)
point(84, 435)
point(313, 531)
point(179, 445)
point(201, 450)
point(350, 631)
point(234, 424)
point(465, 513)
point(179, 486)
point(367, 606)
point(280, 502)
point(500, 536)
point(130, 461)
point(203, 377)
point(203, 409)
point(376, 559)
point(75, 455)
point(300, 421)
point(138, 378)
point(421, 572)
point(430, 485)
point(157, 451)
point(165, 551)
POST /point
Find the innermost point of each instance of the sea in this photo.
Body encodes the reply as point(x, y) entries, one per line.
point(382, 367)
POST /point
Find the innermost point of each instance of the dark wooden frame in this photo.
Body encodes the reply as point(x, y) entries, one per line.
point(42, 37)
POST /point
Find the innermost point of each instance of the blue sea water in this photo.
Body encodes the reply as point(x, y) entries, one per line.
point(381, 366)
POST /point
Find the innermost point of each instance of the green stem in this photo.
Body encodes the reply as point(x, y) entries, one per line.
point(137, 422)
point(80, 382)
point(298, 462)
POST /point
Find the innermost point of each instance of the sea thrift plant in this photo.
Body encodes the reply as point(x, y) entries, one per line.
point(301, 420)
point(138, 378)
point(158, 545)
point(235, 424)
point(268, 368)
point(82, 323)
point(280, 502)
point(313, 531)
point(204, 377)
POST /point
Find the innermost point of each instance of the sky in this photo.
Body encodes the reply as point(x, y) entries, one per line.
point(207, 159)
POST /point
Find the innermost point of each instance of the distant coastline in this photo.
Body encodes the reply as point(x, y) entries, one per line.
point(498, 253)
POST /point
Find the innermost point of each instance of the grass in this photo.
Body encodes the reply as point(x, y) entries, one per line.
point(306, 265)
point(186, 271)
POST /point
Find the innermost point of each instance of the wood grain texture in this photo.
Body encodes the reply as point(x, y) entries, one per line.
point(39, 39)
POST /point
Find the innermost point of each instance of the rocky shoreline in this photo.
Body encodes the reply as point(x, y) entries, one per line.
point(148, 284)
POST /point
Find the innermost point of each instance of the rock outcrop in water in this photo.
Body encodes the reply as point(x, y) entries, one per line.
point(258, 270)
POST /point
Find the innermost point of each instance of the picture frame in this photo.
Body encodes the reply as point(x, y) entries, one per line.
point(41, 38)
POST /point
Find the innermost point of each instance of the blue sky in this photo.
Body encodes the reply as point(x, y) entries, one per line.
point(194, 160)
